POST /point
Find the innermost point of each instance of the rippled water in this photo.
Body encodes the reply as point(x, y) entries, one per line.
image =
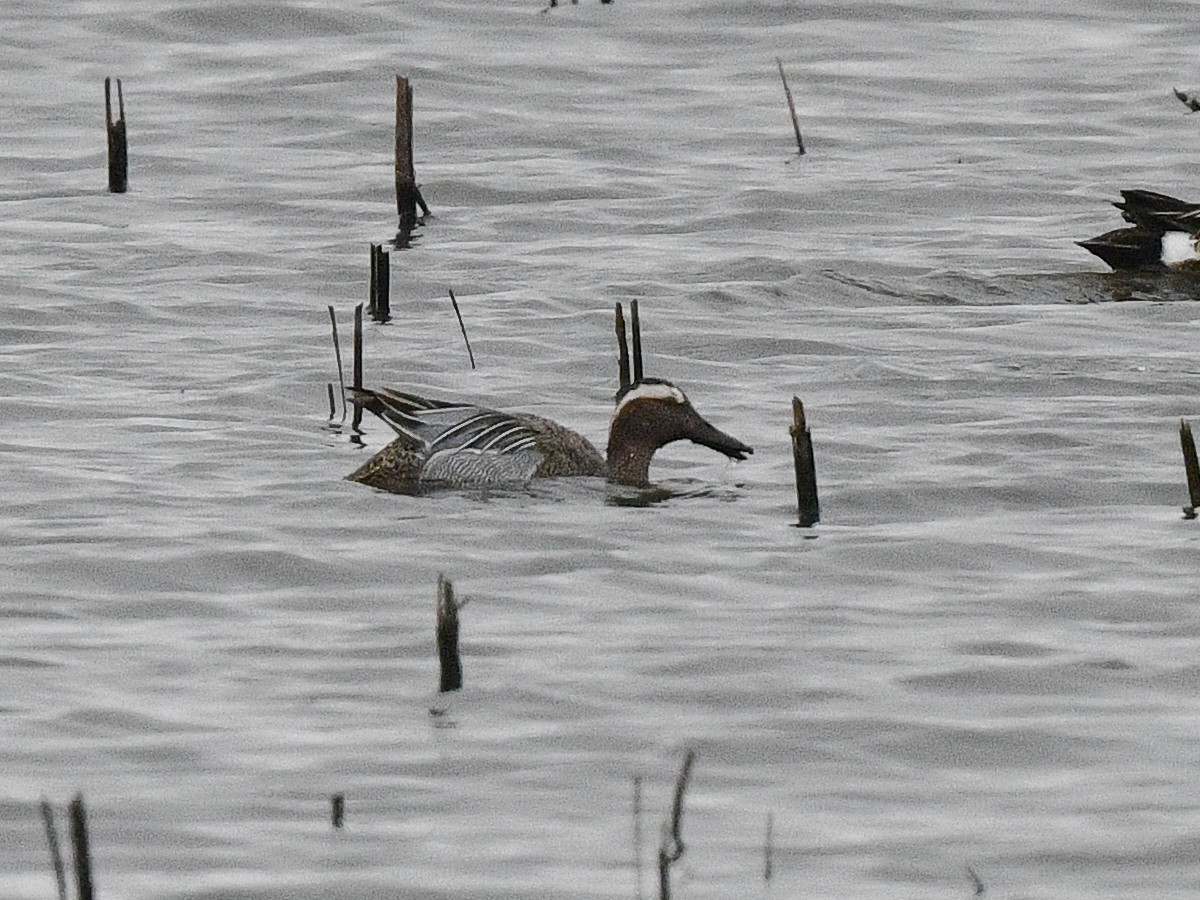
point(987, 654)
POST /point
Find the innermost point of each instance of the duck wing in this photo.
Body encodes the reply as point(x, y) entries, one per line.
point(439, 426)
point(1158, 212)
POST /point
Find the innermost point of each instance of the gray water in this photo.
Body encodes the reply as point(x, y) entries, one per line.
point(986, 655)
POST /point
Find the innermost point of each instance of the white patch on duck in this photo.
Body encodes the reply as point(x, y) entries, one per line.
point(655, 391)
point(1178, 247)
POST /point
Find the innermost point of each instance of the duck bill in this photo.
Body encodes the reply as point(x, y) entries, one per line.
point(706, 435)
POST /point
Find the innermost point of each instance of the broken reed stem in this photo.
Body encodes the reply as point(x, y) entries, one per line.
point(635, 332)
point(1191, 466)
point(358, 347)
point(447, 638)
point(337, 352)
point(118, 148)
point(807, 504)
point(1188, 100)
point(769, 847)
point(372, 284)
point(384, 276)
point(83, 856)
point(408, 194)
point(791, 106)
point(671, 849)
point(337, 810)
point(332, 401)
point(357, 370)
point(462, 327)
point(976, 882)
point(56, 860)
point(622, 349)
point(379, 289)
point(405, 175)
point(637, 833)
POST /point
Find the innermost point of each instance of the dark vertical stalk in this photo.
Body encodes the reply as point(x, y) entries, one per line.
point(807, 504)
point(1191, 467)
point(56, 860)
point(635, 331)
point(791, 107)
point(332, 401)
point(405, 175)
point(408, 194)
point(622, 349)
point(383, 276)
point(356, 421)
point(379, 291)
point(671, 849)
point(637, 833)
point(337, 352)
point(447, 638)
point(769, 847)
point(373, 284)
point(337, 810)
point(1188, 100)
point(977, 884)
point(83, 856)
point(462, 327)
point(118, 149)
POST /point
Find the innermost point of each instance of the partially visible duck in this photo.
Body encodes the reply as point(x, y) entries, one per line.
point(461, 445)
point(1163, 235)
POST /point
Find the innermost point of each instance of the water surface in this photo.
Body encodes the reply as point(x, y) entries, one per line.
point(986, 656)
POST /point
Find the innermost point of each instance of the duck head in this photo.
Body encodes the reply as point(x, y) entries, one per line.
point(652, 413)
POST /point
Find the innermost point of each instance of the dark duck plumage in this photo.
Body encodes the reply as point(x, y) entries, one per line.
point(1162, 234)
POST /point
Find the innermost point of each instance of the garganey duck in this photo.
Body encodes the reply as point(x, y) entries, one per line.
point(460, 445)
point(1163, 234)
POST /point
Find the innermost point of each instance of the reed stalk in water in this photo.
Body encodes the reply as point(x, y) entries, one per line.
point(118, 149)
point(379, 287)
point(635, 335)
point(337, 352)
point(356, 421)
point(451, 675)
point(807, 504)
point(84, 889)
point(769, 848)
point(462, 327)
point(637, 833)
point(787, 91)
point(1191, 467)
point(622, 349)
point(408, 193)
point(56, 860)
point(670, 850)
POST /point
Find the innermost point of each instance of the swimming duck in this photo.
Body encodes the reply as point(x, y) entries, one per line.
point(462, 445)
point(1164, 233)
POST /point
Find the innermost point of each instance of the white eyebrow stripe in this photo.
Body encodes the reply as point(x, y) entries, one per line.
point(651, 392)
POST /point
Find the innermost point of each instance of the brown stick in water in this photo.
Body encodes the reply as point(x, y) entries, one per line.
point(1191, 467)
point(807, 503)
point(118, 149)
point(791, 107)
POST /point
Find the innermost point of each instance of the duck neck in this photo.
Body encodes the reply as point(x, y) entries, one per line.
point(628, 457)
